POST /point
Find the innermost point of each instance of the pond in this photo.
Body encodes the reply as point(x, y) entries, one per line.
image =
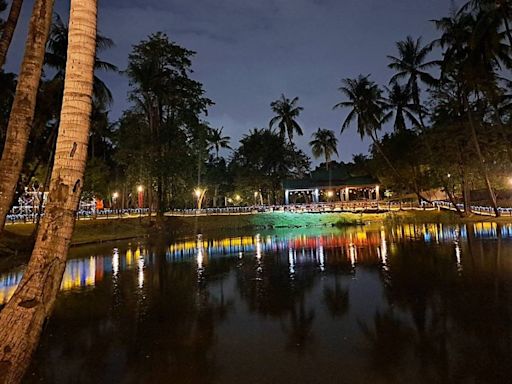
point(408, 304)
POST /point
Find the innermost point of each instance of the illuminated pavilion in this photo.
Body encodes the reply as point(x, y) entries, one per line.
point(331, 186)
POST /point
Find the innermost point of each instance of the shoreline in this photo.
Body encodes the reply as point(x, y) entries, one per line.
point(16, 242)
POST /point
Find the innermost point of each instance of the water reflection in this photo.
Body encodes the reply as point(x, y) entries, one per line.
point(422, 304)
point(83, 272)
point(140, 268)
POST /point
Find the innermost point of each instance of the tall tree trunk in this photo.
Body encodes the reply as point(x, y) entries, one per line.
point(23, 108)
point(159, 198)
point(451, 197)
point(386, 159)
point(466, 194)
point(22, 319)
point(8, 31)
point(481, 160)
point(215, 196)
point(503, 131)
point(394, 170)
point(47, 180)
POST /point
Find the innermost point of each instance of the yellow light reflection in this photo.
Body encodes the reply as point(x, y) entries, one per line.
point(115, 262)
point(383, 249)
point(258, 246)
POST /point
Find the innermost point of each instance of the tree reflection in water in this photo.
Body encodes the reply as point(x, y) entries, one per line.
point(422, 304)
point(447, 323)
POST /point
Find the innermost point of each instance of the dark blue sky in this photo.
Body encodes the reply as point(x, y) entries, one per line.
point(249, 52)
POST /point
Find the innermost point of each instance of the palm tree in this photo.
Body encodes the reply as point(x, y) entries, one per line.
point(367, 108)
point(400, 105)
point(336, 299)
point(366, 103)
point(8, 28)
point(22, 319)
point(286, 112)
point(324, 144)
point(495, 9)
point(217, 142)
point(24, 104)
point(55, 58)
point(412, 65)
point(472, 61)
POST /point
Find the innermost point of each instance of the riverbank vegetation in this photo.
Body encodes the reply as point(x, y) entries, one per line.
point(442, 123)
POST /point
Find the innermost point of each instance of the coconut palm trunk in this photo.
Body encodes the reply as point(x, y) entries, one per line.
point(466, 196)
point(8, 31)
point(503, 133)
point(22, 319)
point(481, 160)
point(386, 158)
point(399, 177)
point(24, 104)
point(451, 197)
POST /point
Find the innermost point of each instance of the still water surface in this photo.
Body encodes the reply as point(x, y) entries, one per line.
point(412, 304)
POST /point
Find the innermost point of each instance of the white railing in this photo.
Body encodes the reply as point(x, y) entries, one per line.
point(26, 215)
point(478, 209)
point(350, 206)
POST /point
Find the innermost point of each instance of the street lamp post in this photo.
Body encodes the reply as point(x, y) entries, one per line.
point(140, 200)
point(115, 196)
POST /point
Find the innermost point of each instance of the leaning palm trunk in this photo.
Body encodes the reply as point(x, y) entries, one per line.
point(503, 133)
point(466, 192)
point(8, 31)
point(394, 170)
point(481, 161)
point(386, 158)
point(451, 197)
point(501, 127)
point(466, 195)
point(23, 108)
point(22, 319)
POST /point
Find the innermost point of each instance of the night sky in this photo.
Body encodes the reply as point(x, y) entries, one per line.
point(249, 52)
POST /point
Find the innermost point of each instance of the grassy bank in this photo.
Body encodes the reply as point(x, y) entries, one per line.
point(16, 242)
point(442, 217)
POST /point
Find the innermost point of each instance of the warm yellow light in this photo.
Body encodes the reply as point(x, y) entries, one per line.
point(510, 180)
point(330, 193)
point(115, 195)
point(255, 194)
point(197, 192)
point(140, 188)
point(238, 198)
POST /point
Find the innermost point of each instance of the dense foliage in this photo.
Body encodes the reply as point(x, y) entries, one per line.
point(442, 123)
